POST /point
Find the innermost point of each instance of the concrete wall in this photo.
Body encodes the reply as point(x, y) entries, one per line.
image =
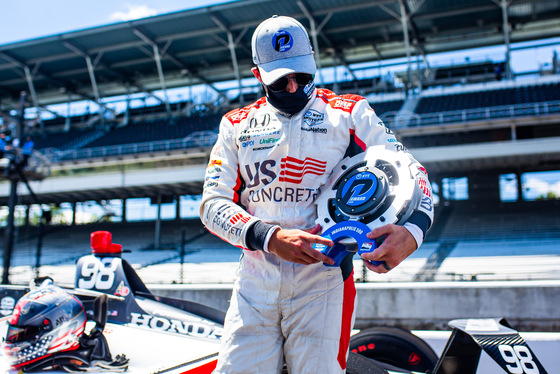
point(527, 306)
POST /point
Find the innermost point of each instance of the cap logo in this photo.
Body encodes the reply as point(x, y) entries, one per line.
point(282, 41)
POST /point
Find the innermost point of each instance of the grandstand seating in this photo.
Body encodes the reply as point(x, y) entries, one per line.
point(460, 223)
point(510, 221)
point(471, 137)
point(248, 97)
point(61, 121)
point(364, 86)
point(157, 129)
point(144, 132)
point(148, 109)
point(469, 73)
point(62, 244)
point(387, 107)
point(490, 98)
point(359, 86)
point(487, 104)
point(61, 139)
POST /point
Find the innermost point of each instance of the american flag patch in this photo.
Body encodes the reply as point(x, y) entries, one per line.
point(293, 170)
point(424, 187)
point(239, 217)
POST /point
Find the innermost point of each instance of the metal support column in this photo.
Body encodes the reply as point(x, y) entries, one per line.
point(9, 235)
point(27, 213)
point(157, 58)
point(91, 73)
point(74, 213)
point(123, 213)
point(315, 30)
point(29, 78)
point(12, 199)
point(316, 48)
point(505, 26)
point(338, 62)
point(231, 46)
point(157, 239)
point(126, 118)
point(519, 179)
point(67, 120)
point(404, 24)
point(178, 207)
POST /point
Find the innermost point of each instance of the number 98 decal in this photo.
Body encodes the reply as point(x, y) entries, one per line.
point(519, 359)
point(98, 273)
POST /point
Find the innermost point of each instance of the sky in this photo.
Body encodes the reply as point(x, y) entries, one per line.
point(28, 19)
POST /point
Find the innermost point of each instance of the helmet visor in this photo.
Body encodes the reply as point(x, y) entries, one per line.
point(18, 334)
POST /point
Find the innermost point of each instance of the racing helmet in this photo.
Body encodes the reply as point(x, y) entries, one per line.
point(375, 187)
point(44, 321)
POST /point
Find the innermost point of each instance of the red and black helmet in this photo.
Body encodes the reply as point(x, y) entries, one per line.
point(44, 321)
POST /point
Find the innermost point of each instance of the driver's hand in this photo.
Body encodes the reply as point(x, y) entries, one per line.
point(297, 246)
point(398, 245)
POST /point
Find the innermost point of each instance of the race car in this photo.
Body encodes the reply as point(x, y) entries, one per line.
point(110, 310)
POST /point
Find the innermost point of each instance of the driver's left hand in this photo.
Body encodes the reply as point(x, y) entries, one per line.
point(398, 245)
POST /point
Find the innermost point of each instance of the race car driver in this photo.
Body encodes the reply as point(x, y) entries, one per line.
point(265, 172)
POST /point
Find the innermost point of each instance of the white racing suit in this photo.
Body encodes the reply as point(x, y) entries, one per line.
point(265, 171)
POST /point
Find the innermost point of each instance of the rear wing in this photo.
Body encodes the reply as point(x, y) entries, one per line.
point(494, 335)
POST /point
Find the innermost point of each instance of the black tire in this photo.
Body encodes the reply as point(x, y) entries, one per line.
point(396, 347)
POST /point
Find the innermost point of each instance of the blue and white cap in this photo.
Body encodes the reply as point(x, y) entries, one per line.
point(281, 46)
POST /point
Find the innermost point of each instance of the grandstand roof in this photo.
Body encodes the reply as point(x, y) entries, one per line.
point(194, 44)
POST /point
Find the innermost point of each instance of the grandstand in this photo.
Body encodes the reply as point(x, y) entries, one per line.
point(459, 120)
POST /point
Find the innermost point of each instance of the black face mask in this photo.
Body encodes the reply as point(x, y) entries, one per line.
point(291, 103)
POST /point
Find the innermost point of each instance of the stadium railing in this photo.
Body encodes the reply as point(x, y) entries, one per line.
point(478, 114)
point(200, 139)
point(391, 118)
point(208, 138)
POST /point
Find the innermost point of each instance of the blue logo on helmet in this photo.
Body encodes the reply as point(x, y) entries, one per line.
point(282, 41)
point(359, 189)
